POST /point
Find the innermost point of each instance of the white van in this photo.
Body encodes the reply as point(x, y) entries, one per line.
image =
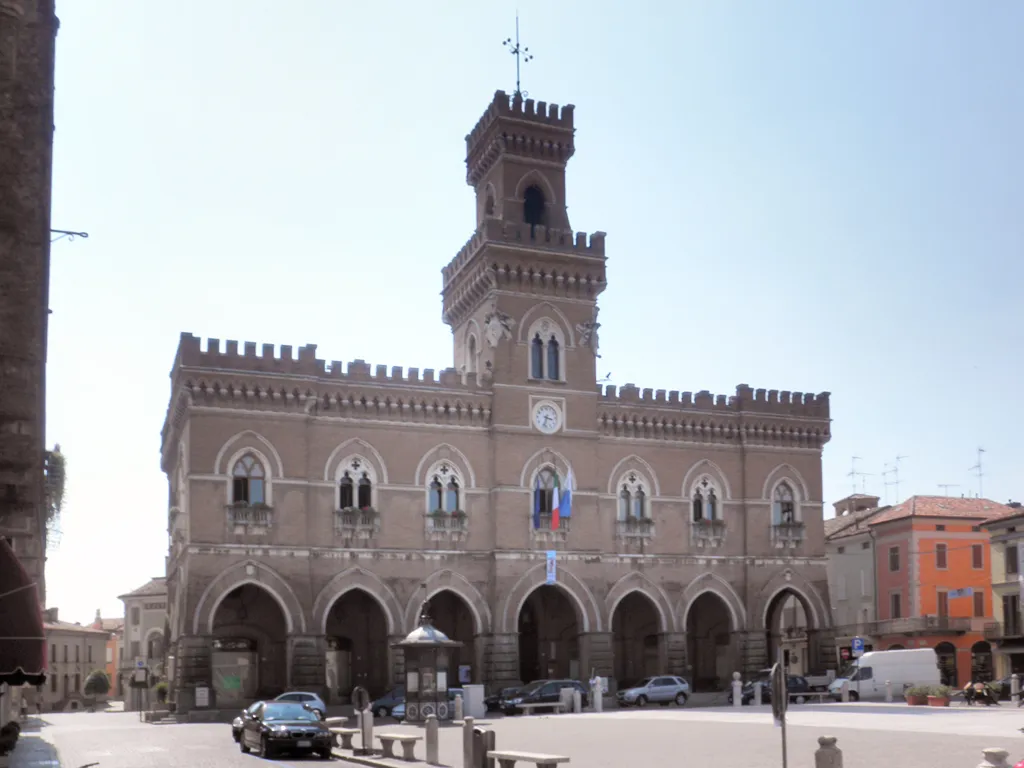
point(904, 669)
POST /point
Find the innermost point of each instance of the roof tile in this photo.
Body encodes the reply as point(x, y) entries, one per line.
point(944, 507)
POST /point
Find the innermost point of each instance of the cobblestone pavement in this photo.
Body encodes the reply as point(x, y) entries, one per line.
point(872, 736)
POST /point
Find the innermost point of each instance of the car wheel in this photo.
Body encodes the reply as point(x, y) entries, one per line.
point(325, 755)
point(244, 747)
point(854, 696)
point(680, 699)
point(641, 701)
point(800, 699)
point(264, 748)
point(383, 711)
point(236, 736)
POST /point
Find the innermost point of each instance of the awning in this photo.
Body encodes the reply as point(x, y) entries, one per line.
point(22, 639)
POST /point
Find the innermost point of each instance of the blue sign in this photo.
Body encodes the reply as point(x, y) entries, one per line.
point(965, 592)
point(551, 566)
point(857, 646)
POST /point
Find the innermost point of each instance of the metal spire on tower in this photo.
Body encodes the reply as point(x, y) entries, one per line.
point(522, 55)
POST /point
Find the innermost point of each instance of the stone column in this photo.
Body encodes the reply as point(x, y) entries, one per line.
point(194, 655)
point(672, 653)
point(597, 654)
point(307, 664)
point(500, 659)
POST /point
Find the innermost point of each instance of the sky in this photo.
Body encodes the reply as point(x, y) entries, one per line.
point(798, 196)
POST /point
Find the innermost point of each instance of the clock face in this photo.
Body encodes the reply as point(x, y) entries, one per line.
point(547, 418)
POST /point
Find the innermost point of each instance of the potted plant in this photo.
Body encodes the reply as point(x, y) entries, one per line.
point(160, 689)
point(916, 696)
point(938, 696)
point(8, 738)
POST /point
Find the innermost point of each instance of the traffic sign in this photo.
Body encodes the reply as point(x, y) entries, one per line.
point(857, 647)
point(140, 664)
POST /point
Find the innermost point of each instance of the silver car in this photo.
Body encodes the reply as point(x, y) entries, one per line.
point(310, 700)
point(662, 690)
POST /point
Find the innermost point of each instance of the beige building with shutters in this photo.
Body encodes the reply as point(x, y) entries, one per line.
point(314, 505)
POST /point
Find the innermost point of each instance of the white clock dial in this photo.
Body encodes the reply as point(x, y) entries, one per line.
point(547, 418)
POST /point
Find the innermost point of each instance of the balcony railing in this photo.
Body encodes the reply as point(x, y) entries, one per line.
point(542, 530)
point(788, 534)
point(707, 534)
point(358, 523)
point(636, 527)
point(447, 526)
point(921, 624)
point(999, 630)
point(246, 516)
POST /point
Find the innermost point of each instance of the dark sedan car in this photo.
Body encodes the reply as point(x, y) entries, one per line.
point(282, 726)
point(238, 722)
point(795, 684)
point(494, 702)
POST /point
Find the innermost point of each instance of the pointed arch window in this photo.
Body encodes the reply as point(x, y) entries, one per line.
point(639, 503)
point(553, 360)
point(444, 491)
point(537, 358)
point(451, 501)
point(698, 506)
point(436, 495)
point(784, 505)
point(544, 491)
point(248, 484)
point(346, 492)
point(471, 357)
point(711, 511)
point(365, 499)
point(624, 502)
point(533, 207)
point(705, 501)
point(634, 503)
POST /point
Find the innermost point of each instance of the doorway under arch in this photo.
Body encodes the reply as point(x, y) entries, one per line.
point(709, 643)
point(548, 627)
point(636, 633)
point(947, 663)
point(451, 614)
point(250, 659)
point(789, 635)
point(981, 662)
point(357, 646)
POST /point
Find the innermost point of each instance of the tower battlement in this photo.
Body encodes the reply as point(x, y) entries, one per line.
point(520, 233)
point(192, 355)
point(746, 400)
point(521, 126)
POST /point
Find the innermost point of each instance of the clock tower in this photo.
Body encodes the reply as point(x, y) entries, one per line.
point(521, 295)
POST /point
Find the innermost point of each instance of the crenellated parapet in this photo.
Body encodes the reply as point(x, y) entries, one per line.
point(753, 417)
point(519, 126)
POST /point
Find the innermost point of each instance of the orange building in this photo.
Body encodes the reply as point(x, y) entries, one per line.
point(115, 642)
point(934, 581)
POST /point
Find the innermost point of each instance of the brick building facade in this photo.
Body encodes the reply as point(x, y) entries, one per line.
point(315, 505)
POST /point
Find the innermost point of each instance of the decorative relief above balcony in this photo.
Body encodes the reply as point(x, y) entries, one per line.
point(244, 518)
point(787, 535)
point(707, 534)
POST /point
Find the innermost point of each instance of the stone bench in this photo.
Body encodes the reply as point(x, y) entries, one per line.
point(558, 706)
point(346, 735)
point(335, 721)
point(819, 695)
point(408, 742)
point(507, 759)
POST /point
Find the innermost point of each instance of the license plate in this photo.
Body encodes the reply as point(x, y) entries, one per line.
point(305, 743)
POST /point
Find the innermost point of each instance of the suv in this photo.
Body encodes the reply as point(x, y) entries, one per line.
point(656, 690)
point(542, 692)
point(310, 700)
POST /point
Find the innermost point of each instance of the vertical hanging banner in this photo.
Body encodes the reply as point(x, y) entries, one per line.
point(552, 574)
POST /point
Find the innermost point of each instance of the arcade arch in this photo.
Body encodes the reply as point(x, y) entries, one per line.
point(249, 659)
point(358, 650)
point(637, 637)
point(549, 624)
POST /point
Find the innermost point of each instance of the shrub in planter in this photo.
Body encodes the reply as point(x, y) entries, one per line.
point(160, 689)
point(938, 695)
point(917, 696)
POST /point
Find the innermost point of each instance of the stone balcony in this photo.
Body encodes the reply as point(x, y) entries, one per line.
point(635, 528)
point(249, 518)
point(447, 526)
point(546, 532)
point(707, 534)
point(788, 535)
point(352, 523)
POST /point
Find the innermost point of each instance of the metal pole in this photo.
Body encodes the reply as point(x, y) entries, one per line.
point(785, 707)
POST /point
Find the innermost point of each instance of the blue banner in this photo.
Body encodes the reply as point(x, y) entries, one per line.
point(551, 566)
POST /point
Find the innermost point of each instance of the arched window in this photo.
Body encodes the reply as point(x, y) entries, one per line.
point(471, 355)
point(248, 481)
point(544, 491)
point(705, 500)
point(451, 502)
point(712, 505)
point(553, 360)
point(640, 503)
point(624, 503)
point(533, 206)
point(489, 205)
point(78, 683)
point(698, 506)
point(537, 358)
point(365, 492)
point(346, 492)
point(783, 505)
point(436, 495)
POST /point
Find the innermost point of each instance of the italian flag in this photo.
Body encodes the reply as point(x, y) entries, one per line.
point(556, 494)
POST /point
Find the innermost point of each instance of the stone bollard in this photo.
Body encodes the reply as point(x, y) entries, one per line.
point(737, 690)
point(828, 755)
point(888, 691)
point(1015, 689)
point(757, 694)
point(846, 691)
point(994, 758)
point(597, 697)
point(366, 728)
point(467, 743)
point(431, 739)
point(458, 706)
point(577, 701)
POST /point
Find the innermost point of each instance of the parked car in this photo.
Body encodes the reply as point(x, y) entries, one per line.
point(795, 685)
point(285, 726)
point(383, 706)
point(398, 711)
point(904, 668)
point(311, 700)
point(236, 724)
point(662, 690)
point(543, 692)
point(494, 701)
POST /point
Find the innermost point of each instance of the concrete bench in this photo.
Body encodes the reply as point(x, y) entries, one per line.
point(507, 759)
point(819, 695)
point(408, 742)
point(529, 708)
point(346, 735)
point(336, 722)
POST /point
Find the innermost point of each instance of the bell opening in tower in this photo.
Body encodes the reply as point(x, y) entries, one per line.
point(533, 207)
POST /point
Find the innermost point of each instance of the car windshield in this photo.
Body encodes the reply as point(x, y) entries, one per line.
point(536, 685)
point(281, 710)
point(644, 683)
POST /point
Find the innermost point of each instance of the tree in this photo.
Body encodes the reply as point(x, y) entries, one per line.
point(55, 470)
point(97, 683)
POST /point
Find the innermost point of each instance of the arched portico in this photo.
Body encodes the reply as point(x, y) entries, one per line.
point(443, 580)
point(248, 572)
point(580, 596)
point(791, 614)
point(358, 578)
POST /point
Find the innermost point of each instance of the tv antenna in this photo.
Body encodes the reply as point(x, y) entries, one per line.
point(606, 379)
point(522, 55)
point(946, 486)
point(855, 473)
point(62, 233)
point(894, 470)
point(977, 470)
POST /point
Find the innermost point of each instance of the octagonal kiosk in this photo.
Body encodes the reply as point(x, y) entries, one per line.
point(427, 656)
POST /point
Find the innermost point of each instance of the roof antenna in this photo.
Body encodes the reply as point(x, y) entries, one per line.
point(854, 473)
point(522, 55)
point(946, 486)
point(976, 469)
point(894, 470)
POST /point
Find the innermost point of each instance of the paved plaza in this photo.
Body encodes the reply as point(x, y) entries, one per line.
point(871, 736)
